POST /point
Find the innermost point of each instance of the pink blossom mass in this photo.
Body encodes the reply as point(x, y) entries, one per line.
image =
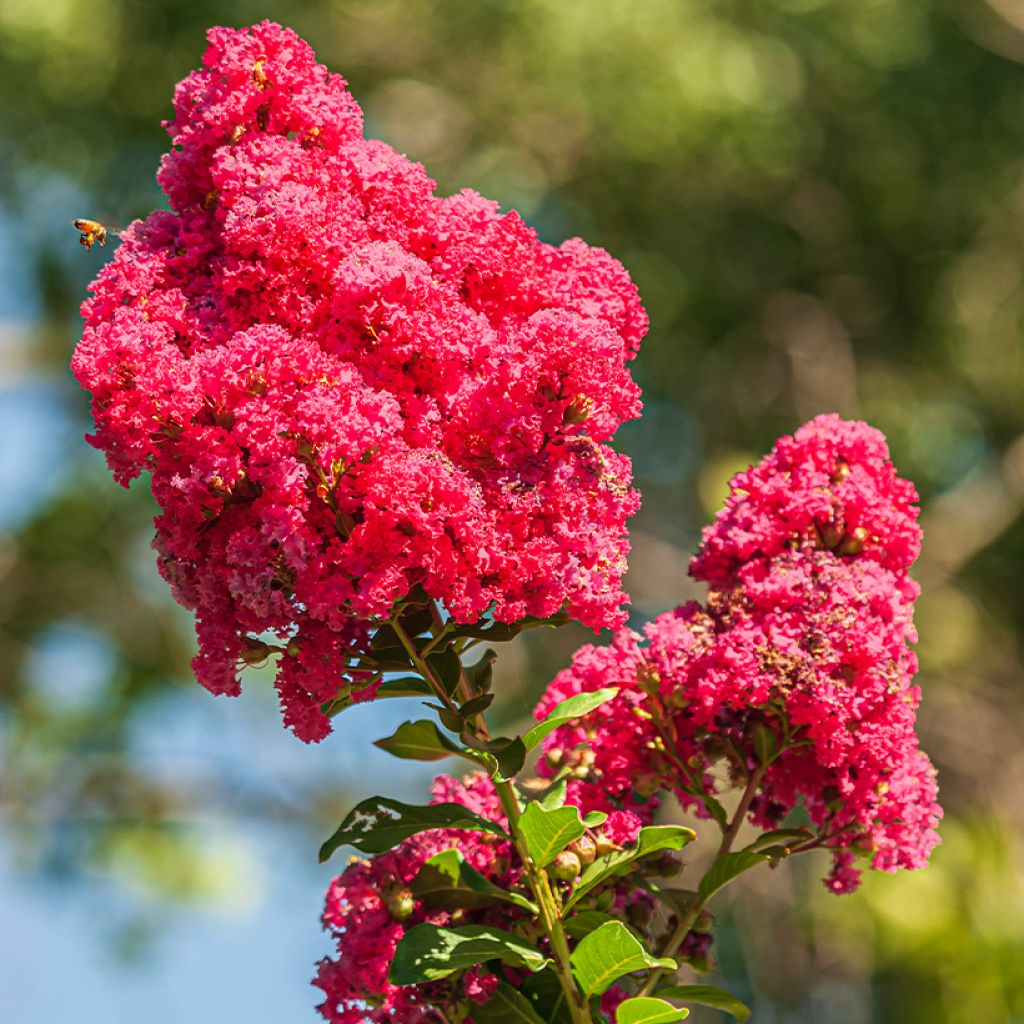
point(346, 388)
point(799, 662)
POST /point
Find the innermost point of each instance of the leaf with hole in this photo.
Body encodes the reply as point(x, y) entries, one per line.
point(606, 955)
point(428, 952)
point(707, 995)
point(379, 824)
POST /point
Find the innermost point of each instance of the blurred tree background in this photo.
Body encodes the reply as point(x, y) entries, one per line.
point(822, 203)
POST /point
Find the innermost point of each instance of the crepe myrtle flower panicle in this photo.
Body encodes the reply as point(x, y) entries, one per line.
point(347, 389)
point(831, 485)
point(372, 903)
point(802, 650)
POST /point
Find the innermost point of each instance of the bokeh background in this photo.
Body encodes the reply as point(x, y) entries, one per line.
point(822, 203)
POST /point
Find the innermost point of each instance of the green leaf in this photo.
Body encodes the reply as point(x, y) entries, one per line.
point(586, 921)
point(477, 705)
point(725, 869)
point(652, 839)
point(595, 818)
point(448, 882)
point(428, 952)
point(508, 752)
point(506, 1006)
point(554, 796)
point(419, 741)
point(766, 743)
point(547, 997)
point(548, 833)
point(574, 707)
point(788, 837)
point(407, 686)
point(447, 669)
point(707, 995)
point(451, 720)
point(678, 900)
point(378, 824)
point(609, 953)
point(644, 1010)
point(481, 673)
point(715, 809)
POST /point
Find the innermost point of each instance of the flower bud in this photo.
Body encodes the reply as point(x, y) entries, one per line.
point(554, 757)
point(586, 849)
point(604, 845)
point(578, 411)
point(399, 903)
point(704, 921)
point(565, 867)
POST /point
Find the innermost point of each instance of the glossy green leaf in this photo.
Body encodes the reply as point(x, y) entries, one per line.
point(607, 954)
point(547, 997)
point(652, 839)
point(406, 686)
point(548, 833)
point(508, 753)
point(574, 707)
point(707, 995)
point(378, 824)
point(788, 837)
point(506, 1006)
point(428, 952)
point(447, 669)
point(419, 741)
point(554, 795)
point(766, 743)
point(448, 882)
point(645, 1010)
point(582, 924)
point(481, 673)
point(725, 869)
point(477, 705)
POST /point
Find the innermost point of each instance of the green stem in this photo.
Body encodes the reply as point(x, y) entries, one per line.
point(549, 915)
point(682, 929)
point(536, 877)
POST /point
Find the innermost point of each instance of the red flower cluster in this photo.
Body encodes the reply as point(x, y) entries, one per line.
point(371, 905)
point(799, 660)
point(345, 387)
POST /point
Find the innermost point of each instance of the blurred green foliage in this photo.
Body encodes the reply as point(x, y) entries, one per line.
point(822, 203)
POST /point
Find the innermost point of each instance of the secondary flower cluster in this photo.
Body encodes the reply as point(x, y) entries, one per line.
point(796, 676)
point(372, 904)
point(347, 389)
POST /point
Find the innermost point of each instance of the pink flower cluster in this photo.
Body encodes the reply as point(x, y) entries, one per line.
point(800, 659)
point(370, 906)
point(346, 388)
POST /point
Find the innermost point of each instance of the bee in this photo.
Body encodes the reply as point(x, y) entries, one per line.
point(92, 231)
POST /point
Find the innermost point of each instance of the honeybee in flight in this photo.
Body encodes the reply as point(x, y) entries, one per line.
point(92, 231)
